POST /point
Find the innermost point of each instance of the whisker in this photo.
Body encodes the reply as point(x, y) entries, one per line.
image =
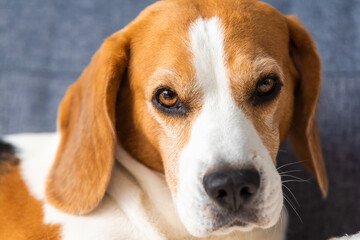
point(289, 201)
point(288, 164)
point(307, 181)
point(292, 194)
point(293, 209)
point(291, 171)
point(295, 177)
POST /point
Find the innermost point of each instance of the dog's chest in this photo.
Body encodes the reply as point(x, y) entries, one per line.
point(128, 210)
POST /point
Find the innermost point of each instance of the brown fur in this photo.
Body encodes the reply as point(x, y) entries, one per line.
point(146, 139)
point(97, 112)
point(81, 171)
point(21, 215)
point(304, 134)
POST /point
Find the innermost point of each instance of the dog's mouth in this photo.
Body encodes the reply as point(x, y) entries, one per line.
point(228, 221)
point(238, 223)
point(246, 219)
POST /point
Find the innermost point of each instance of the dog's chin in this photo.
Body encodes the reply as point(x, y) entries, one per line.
point(235, 226)
point(228, 228)
point(220, 231)
point(232, 225)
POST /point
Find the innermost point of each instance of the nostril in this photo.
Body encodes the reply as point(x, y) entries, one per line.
point(221, 194)
point(245, 193)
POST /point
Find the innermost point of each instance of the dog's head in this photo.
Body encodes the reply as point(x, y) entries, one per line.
point(204, 91)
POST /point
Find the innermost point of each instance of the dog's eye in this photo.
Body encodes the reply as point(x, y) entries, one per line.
point(167, 101)
point(265, 85)
point(167, 98)
point(267, 88)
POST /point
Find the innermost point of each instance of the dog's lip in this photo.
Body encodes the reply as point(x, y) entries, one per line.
point(238, 223)
point(234, 223)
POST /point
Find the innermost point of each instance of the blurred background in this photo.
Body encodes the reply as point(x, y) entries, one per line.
point(44, 46)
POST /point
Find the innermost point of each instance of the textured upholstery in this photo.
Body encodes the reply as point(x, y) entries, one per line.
point(44, 45)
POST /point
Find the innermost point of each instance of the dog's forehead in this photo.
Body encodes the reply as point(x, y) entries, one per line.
point(161, 38)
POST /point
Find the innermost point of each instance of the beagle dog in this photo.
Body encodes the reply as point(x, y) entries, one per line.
point(172, 131)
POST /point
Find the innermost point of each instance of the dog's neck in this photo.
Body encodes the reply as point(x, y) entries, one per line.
point(145, 198)
point(137, 204)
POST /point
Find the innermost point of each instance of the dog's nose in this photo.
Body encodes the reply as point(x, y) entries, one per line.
point(232, 188)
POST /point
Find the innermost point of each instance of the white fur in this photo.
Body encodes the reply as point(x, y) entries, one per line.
point(347, 237)
point(137, 204)
point(221, 135)
point(37, 152)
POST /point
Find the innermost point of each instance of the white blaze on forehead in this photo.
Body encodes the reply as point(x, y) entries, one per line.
point(220, 119)
point(207, 39)
point(220, 135)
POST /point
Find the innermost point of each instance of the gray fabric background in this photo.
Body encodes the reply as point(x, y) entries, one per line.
point(44, 45)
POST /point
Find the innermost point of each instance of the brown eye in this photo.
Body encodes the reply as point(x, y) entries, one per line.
point(167, 98)
point(267, 88)
point(168, 102)
point(266, 85)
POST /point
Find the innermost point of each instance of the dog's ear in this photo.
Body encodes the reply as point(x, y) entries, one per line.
point(304, 134)
point(82, 167)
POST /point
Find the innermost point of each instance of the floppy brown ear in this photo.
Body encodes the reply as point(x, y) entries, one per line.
point(81, 172)
point(304, 134)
